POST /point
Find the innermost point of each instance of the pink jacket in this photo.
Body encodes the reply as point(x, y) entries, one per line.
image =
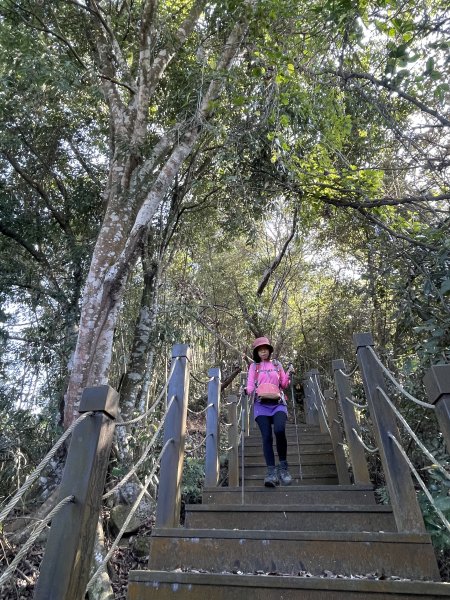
point(268, 372)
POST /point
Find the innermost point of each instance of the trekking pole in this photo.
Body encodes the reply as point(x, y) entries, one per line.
point(242, 454)
point(300, 471)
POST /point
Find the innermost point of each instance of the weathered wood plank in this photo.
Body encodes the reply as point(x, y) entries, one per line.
point(356, 451)
point(212, 429)
point(66, 565)
point(169, 494)
point(402, 494)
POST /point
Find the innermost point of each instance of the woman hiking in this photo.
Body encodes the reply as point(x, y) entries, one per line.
point(267, 379)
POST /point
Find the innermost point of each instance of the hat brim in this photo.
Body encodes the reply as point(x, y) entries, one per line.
point(255, 350)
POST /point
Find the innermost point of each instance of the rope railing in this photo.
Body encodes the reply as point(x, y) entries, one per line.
point(325, 418)
point(424, 449)
point(198, 380)
point(129, 517)
point(396, 383)
point(420, 481)
point(200, 412)
point(363, 444)
point(41, 466)
point(144, 455)
point(321, 400)
point(360, 406)
point(317, 387)
point(196, 448)
point(155, 404)
point(33, 537)
point(350, 373)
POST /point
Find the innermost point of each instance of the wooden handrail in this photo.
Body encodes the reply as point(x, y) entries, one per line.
point(233, 442)
point(437, 383)
point(212, 429)
point(65, 568)
point(405, 506)
point(311, 412)
point(171, 470)
point(356, 451)
point(336, 438)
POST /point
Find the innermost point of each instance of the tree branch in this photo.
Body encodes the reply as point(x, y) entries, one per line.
point(271, 268)
point(60, 218)
point(388, 86)
point(400, 236)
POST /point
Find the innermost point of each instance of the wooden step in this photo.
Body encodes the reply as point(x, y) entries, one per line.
point(292, 449)
point(159, 585)
point(308, 479)
point(310, 457)
point(286, 517)
point(405, 555)
point(317, 470)
point(304, 494)
point(322, 438)
point(255, 462)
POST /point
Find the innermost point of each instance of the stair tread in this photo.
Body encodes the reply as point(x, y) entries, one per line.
point(258, 534)
point(366, 508)
point(381, 586)
point(303, 488)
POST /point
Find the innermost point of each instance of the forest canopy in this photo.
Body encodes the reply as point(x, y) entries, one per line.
point(207, 172)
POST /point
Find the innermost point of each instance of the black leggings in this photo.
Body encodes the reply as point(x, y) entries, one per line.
point(279, 424)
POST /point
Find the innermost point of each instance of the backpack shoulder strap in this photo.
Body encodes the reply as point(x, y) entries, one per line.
point(257, 365)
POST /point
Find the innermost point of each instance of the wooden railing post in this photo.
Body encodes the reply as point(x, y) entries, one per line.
point(356, 451)
point(405, 506)
point(437, 382)
point(311, 412)
point(169, 493)
point(336, 438)
point(212, 429)
point(68, 555)
point(233, 441)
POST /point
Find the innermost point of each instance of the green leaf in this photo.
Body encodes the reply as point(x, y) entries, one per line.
point(435, 75)
point(429, 66)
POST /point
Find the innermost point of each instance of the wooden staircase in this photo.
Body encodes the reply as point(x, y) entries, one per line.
point(314, 539)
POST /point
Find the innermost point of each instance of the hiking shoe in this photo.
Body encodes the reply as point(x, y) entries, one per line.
point(271, 479)
point(283, 473)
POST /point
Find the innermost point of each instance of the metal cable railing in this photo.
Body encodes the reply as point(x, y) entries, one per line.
point(413, 435)
point(144, 455)
point(198, 446)
point(41, 466)
point(33, 537)
point(420, 482)
point(200, 412)
point(350, 373)
point(129, 517)
point(360, 406)
point(198, 380)
point(396, 383)
point(363, 444)
point(157, 401)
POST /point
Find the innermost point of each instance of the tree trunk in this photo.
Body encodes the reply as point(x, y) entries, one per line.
point(126, 221)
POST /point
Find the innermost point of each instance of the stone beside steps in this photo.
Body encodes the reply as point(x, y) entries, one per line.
point(277, 543)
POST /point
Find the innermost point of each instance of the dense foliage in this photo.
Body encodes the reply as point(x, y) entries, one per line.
point(311, 201)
